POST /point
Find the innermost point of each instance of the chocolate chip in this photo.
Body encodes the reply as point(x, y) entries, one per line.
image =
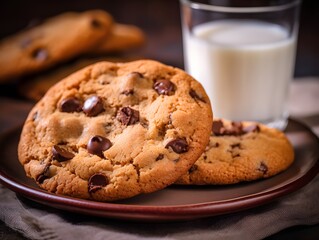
point(164, 87)
point(217, 127)
point(179, 145)
point(263, 168)
point(251, 128)
point(194, 95)
point(235, 145)
point(98, 144)
point(96, 182)
point(215, 145)
point(193, 168)
point(159, 157)
point(40, 54)
point(236, 124)
point(44, 175)
point(96, 23)
point(93, 106)
point(128, 116)
point(237, 129)
point(71, 104)
point(35, 116)
point(128, 92)
point(60, 154)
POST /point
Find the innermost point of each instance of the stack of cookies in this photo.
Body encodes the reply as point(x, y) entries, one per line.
point(115, 130)
point(62, 38)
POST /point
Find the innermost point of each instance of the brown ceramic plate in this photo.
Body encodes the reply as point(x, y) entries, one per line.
point(175, 202)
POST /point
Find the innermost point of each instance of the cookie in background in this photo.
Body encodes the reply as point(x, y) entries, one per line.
point(56, 40)
point(123, 37)
point(63, 38)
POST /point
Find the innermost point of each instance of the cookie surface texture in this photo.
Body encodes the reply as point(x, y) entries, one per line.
point(238, 152)
point(114, 130)
point(55, 40)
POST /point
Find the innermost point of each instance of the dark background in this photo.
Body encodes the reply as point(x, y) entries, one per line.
point(160, 19)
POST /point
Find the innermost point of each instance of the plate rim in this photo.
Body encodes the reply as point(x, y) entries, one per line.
point(169, 212)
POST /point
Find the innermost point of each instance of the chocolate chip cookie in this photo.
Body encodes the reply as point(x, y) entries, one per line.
point(114, 130)
point(122, 37)
point(240, 151)
point(55, 40)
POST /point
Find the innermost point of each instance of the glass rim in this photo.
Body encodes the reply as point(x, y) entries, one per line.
point(215, 8)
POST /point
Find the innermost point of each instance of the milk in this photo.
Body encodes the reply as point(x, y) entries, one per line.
point(244, 66)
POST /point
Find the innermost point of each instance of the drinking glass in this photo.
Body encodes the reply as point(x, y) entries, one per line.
point(243, 53)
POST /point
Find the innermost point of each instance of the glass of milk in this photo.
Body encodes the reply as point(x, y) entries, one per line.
point(243, 55)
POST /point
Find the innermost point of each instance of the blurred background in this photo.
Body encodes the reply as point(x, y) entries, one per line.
point(160, 20)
